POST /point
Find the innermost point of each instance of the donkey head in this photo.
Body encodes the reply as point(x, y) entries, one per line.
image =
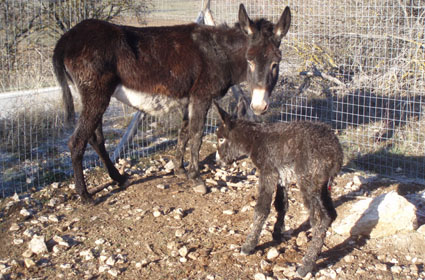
point(227, 150)
point(263, 55)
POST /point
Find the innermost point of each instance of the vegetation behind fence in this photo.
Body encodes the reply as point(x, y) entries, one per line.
point(358, 65)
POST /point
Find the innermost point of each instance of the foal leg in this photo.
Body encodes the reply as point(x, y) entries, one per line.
point(281, 206)
point(97, 141)
point(322, 216)
point(262, 209)
point(181, 144)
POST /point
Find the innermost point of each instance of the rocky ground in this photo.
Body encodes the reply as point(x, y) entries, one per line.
point(160, 228)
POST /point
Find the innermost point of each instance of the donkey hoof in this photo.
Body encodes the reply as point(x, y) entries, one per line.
point(278, 236)
point(125, 184)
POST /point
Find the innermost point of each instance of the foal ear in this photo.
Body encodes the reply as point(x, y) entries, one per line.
point(224, 117)
point(245, 22)
point(282, 26)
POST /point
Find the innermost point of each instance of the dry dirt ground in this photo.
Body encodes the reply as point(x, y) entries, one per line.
point(159, 228)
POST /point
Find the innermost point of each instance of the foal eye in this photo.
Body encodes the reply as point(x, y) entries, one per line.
point(251, 65)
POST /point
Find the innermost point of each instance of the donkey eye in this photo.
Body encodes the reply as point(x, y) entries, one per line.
point(273, 65)
point(221, 140)
point(251, 65)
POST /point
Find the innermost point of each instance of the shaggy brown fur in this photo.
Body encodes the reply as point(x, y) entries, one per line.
point(305, 153)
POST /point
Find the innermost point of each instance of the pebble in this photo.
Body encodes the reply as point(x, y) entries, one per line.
point(228, 212)
point(381, 266)
point(272, 253)
point(29, 262)
point(359, 180)
point(14, 227)
point(156, 213)
point(180, 232)
point(162, 186)
point(183, 251)
point(37, 245)
point(24, 212)
point(259, 276)
point(302, 238)
point(396, 269)
point(201, 188)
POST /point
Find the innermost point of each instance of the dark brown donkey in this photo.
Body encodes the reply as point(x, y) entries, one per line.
point(156, 68)
point(305, 153)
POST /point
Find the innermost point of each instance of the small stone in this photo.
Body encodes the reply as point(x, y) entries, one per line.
point(87, 254)
point(65, 266)
point(111, 261)
point(18, 241)
point(201, 188)
point(359, 180)
point(349, 259)
point(24, 212)
point(183, 251)
point(169, 166)
point(99, 241)
point(193, 256)
point(156, 213)
point(29, 262)
point(265, 265)
point(381, 266)
point(37, 245)
point(53, 218)
point(103, 268)
point(302, 238)
point(15, 197)
point(228, 212)
point(162, 186)
point(14, 227)
point(183, 260)
point(246, 208)
point(114, 272)
point(272, 253)
point(259, 276)
point(396, 269)
point(180, 232)
point(27, 253)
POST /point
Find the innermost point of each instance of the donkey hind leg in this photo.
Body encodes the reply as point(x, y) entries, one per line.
point(323, 214)
point(197, 115)
point(262, 209)
point(281, 206)
point(97, 141)
point(181, 144)
point(87, 123)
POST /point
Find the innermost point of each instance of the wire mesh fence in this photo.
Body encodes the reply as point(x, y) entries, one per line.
point(357, 65)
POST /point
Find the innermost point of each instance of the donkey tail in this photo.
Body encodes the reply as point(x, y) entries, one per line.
point(61, 76)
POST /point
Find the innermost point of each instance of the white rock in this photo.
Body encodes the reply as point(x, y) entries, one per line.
point(65, 266)
point(14, 227)
point(87, 254)
point(29, 262)
point(272, 253)
point(301, 238)
point(53, 218)
point(103, 268)
point(18, 241)
point(183, 260)
point(259, 276)
point(111, 261)
point(359, 180)
point(24, 212)
point(162, 186)
point(169, 166)
point(183, 251)
point(421, 229)
point(37, 245)
point(156, 213)
point(99, 241)
point(385, 215)
point(201, 188)
point(396, 269)
point(180, 232)
point(114, 272)
point(15, 197)
point(228, 212)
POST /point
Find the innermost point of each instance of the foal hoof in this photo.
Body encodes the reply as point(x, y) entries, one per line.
point(180, 172)
point(303, 270)
point(246, 250)
point(87, 199)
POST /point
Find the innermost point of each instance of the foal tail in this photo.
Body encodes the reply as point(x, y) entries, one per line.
point(61, 76)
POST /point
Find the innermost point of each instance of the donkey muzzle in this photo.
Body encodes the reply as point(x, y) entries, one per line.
point(260, 101)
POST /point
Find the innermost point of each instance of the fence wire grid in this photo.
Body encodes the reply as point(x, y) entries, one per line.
point(358, 65)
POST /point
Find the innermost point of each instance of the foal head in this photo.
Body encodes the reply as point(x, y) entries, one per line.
point(263, 55)
point(227, 150)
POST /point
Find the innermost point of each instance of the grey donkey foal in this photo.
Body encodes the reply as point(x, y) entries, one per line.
point(305, 153)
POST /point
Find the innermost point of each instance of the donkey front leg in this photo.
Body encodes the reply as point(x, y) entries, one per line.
point(262, 209)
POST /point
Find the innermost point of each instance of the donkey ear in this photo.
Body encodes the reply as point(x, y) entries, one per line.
point(241, 108)
point(282, 26)
point(245, 22)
